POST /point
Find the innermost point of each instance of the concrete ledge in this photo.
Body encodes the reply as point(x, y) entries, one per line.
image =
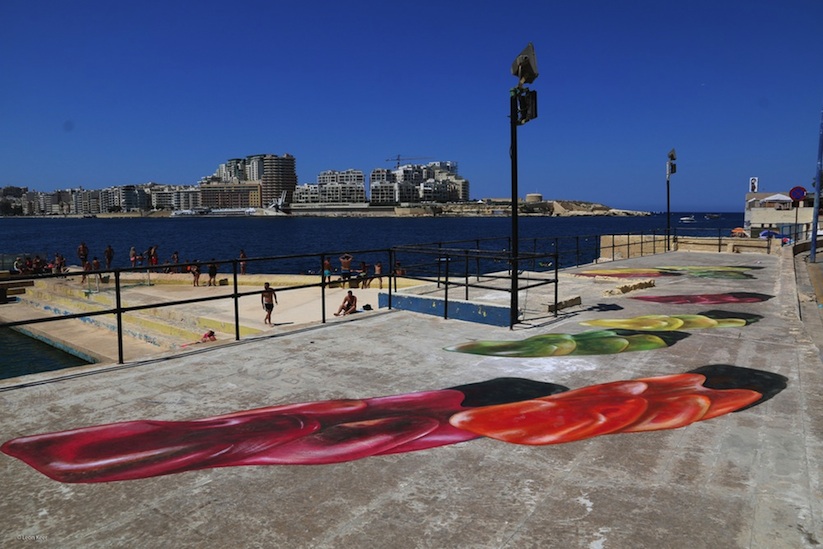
point(58, 340)
point(457, 309)
point(614, 247)
point(565, 303)
point(806, 246)
point(626, 288)
point(14, 287)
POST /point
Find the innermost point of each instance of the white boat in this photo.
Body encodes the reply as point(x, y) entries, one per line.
point(687, 219)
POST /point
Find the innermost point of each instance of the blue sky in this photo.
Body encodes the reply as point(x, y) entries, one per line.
point(99, 93)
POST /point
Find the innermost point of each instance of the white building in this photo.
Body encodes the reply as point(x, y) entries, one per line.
point(779, 213)
point(308, 193)
point(186, 198)
point(386, 192)
point(433, 191)
point(346, 187)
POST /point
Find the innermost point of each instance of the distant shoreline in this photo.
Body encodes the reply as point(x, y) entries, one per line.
point(496, 212)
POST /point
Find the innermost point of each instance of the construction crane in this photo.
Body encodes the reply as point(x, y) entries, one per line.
point(399, 158)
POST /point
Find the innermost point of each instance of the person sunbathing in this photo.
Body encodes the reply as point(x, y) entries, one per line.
point(348, 306)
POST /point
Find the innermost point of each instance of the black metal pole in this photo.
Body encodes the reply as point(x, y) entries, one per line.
point(556, 280)
point(817, 176)
point(515, 249)
point(323, 288)
point(466, 276)
point(236, 301)
point(118, 303)
point(392, 259)
point(668, 211)
point(446, 291)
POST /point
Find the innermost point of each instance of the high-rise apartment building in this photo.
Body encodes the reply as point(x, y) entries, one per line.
point(233, 170)
point(254, 167)
point(279, 176)
point(274, 174)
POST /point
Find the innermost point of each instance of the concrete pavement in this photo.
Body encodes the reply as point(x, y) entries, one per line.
point(748, 479)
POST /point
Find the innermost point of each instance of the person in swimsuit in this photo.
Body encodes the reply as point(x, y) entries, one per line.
point(348, 306)
point(327, 271)
point(345, 266)
point(268, 298)
point(243, 258)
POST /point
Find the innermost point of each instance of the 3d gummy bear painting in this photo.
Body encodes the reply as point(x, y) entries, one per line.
point(514, 410)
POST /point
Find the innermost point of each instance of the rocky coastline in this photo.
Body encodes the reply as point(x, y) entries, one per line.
point(484, 208)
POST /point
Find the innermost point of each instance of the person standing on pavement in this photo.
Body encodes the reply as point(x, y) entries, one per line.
point(243, 258)
point(83, 254)
point(268, 299)
point(345, 266)
point(108, 255)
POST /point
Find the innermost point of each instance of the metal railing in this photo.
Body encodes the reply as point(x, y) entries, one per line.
point(476, 268)
point(412, 268)
point(448, 264)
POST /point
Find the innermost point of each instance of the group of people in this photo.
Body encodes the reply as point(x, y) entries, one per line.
point(211, 270)
point(150, 257)
point(36, 265)
point(268, 297)
point(136, 259)
point(359, 277)
point(94, 264)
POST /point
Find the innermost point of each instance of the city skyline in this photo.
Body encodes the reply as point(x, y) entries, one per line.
point(100, 95)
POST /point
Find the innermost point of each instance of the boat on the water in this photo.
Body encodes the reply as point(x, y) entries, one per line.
point(712, 216)
point(687, 219)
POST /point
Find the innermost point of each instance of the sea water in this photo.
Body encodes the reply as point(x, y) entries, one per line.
point(21, 355)
point(206, 238)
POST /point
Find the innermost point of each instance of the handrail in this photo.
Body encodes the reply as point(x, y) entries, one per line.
point(564, 252)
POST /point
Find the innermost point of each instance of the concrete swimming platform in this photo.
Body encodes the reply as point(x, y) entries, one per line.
point(747, 478)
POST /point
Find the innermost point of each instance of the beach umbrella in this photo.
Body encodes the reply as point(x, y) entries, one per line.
point(770, 234)
point(739, 231)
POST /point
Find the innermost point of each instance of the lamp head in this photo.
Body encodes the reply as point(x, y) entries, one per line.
point(524, 66)
point(672, 155)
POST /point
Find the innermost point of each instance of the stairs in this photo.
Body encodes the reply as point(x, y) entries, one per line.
point(155, 330)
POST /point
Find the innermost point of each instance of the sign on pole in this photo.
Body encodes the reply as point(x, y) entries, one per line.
point(797, 193)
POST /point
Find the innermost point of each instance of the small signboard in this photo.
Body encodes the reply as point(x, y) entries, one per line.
point(797, 193)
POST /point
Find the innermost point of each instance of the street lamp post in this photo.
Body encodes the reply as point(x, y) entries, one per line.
point(515, 237)
point(523, 107)
point(671, 168)
point(818, 176)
